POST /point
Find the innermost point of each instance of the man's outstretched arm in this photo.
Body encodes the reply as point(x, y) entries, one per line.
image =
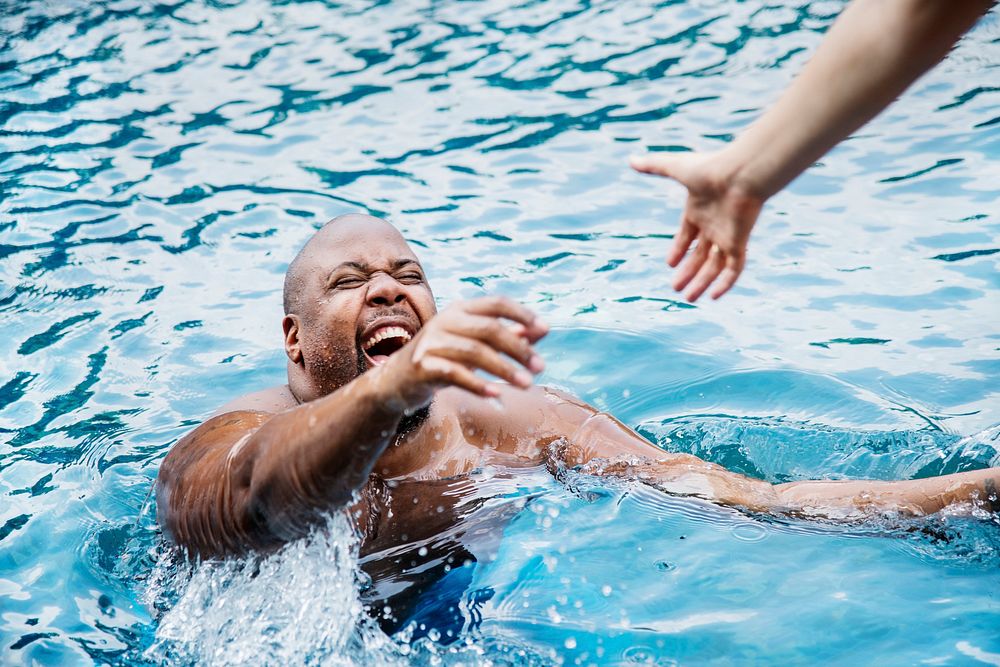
point(605, 446)
point(597, 443)
point(249, 480)
point(873, 52)
point(912, 497)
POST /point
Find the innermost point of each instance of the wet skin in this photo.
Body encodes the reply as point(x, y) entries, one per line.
point(384, 416)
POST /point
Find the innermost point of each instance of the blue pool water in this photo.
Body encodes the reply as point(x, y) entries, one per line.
point(161, 163)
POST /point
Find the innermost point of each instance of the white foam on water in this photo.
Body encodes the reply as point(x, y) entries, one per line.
point(299, 606)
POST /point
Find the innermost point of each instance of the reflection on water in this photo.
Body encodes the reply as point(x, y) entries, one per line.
point(160, 163)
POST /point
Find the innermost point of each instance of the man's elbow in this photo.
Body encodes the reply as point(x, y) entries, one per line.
point(278, 507)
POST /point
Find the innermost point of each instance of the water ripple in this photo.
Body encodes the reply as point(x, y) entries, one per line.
point(160, 163)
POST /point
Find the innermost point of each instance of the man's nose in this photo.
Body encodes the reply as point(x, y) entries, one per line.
point(384, 290)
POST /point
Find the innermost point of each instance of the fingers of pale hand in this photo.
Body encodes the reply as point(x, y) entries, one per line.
point(676, 166)
point(689, 269)
point(474, 354)
point(710, 270)
point(648, 164)
point(728, 277)
point(447, 372)
point(685, 235)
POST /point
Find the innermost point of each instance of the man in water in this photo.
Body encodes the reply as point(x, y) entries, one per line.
point(384, 415)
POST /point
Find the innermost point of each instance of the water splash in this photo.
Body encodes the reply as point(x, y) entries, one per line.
point(297, 606)
point(160, 163)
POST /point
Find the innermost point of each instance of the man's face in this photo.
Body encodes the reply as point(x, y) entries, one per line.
point(364, 297)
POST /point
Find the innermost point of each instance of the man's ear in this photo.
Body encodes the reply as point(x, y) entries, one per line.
point(290, 325)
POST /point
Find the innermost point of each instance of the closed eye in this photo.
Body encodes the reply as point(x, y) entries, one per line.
point(348, 282)
point(410, 278)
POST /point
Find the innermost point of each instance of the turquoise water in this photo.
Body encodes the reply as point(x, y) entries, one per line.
point(160, 164)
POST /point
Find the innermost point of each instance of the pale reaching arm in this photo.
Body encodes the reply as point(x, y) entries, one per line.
point(873, 52)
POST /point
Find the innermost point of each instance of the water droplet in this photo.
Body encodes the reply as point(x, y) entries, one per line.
point(570, 642)
point(606, 590)
point(749, 532)
point(639, 655)
point(664, 566)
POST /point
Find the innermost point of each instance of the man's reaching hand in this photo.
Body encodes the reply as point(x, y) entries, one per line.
point(465, 337)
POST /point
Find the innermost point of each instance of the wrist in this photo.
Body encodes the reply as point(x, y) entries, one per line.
point(397, 388)
point(744, 175)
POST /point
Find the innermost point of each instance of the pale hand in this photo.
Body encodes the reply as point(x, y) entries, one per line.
point(719, 214)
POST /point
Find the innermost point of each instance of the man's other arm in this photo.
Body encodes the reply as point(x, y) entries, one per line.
point(596, 443)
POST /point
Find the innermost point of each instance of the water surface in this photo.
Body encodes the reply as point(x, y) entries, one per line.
point(161, 163)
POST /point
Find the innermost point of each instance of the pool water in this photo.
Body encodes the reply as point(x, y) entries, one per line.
point(161, 163)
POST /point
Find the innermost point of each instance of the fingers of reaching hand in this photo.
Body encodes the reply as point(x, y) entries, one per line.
point(728, 277)
point(474, 354)
point(708, 272)
point(689, 269)
point(510, 340)
point(685, 235)
point(451, 373)
point(498, 306)
point(676, 166)
point(708, 265)
point(492, 334)
point(649, 164)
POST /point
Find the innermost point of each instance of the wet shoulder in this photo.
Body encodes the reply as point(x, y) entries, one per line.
point(221, 433)
point(272, 400)
point(514, 408)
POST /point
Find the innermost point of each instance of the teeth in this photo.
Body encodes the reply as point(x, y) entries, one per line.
point(387, 332)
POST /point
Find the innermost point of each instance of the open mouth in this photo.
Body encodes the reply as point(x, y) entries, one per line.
point(384, 342)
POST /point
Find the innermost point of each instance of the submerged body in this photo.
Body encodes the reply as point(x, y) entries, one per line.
point(384, 416)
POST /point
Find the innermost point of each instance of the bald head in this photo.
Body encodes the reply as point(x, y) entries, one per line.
point(355, 272)
point(337, 234)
